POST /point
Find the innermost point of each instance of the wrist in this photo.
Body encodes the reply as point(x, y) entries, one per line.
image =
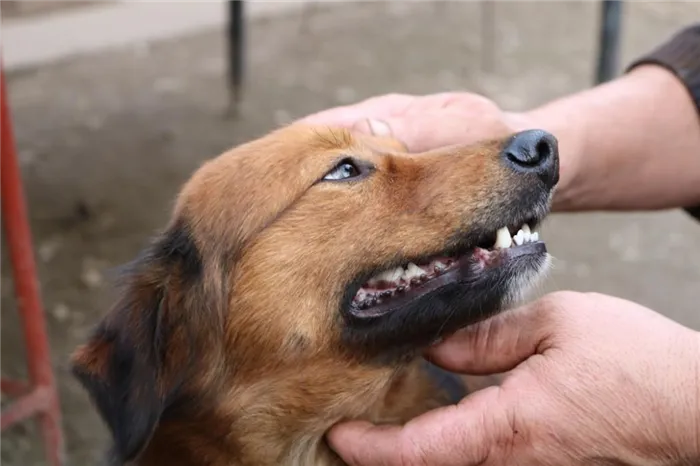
point(610, 138)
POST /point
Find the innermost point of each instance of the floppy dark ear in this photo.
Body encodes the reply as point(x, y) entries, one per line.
point(135, 361)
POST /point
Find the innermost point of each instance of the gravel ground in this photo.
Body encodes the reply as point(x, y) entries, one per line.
point(106, 141)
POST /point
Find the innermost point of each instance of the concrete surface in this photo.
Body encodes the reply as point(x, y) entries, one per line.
point(13, 9)
point(105, 142)
point(53, 31)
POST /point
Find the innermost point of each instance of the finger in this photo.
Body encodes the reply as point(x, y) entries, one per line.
point(342, 117)
point(470, 433)
point(362, 443)
point(500, 343)
point(412, 135)
point(346, 116)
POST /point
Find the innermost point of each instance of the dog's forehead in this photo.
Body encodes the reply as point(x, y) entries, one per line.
point(238, 193)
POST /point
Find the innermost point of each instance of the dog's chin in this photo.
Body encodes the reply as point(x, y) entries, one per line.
point(396, 316)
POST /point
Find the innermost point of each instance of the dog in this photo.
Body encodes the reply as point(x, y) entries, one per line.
point(298, 282)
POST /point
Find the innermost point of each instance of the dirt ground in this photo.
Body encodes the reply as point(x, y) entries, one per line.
point(106, 141)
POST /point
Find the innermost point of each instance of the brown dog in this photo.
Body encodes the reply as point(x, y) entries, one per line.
point(296, 285)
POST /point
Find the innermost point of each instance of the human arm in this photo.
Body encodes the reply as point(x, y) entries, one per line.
point(593, 380)
point(630, 144)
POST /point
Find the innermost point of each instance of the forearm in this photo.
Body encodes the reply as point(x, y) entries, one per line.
point(630, 144)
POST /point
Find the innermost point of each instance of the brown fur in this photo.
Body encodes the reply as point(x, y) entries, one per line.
point(225, 347)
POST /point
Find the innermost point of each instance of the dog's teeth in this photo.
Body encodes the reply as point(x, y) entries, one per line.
point(503, 239)
point(519, 238)
point(534, 236)
point(526, 229)
point(439, 267)
point(412, 270)
point(389, 275)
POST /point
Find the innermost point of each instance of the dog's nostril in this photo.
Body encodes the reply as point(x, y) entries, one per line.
point(533, 151)
point(530, 148)
point(543, 150)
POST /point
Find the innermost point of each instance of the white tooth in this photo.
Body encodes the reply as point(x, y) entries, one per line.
point(526, 229)
point(519, 238)
point(386, 276)
point(412, 270)
point(440, 266)
point(503, 239)
point(535, 236)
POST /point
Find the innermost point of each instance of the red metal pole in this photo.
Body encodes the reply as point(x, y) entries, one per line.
point(16, 226)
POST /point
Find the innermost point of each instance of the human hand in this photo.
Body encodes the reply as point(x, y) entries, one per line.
point(594, 380)
point(423, 123)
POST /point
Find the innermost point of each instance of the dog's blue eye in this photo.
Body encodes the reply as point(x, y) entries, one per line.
point(342, 171)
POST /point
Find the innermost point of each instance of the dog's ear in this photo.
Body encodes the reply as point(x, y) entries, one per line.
point(136, 360)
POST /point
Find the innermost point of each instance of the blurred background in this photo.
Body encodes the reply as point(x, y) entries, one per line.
point(114, 104)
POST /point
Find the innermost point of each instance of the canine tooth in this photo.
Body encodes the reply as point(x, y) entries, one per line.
point(526, 229)
point(390, 275)
point(519, 238)
point(412, 270)
point(534, 236)
point(503, 239)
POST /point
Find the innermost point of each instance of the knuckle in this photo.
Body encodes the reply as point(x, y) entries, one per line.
point(555, 310)
point(396, 98)
point(559, 302)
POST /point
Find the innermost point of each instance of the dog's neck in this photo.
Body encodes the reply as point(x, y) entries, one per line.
point(252, 428)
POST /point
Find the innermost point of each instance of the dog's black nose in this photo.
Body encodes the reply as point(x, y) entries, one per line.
point(534, 151)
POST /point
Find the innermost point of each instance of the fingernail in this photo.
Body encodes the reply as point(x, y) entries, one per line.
point(378, 127)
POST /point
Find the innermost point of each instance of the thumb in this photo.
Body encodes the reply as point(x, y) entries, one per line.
point(412, 136)
point(470, 433)
point(500, 343)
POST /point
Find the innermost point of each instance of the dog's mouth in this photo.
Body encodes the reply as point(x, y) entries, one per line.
point(397, 286)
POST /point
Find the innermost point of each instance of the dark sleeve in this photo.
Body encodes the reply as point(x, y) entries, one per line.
point(680, 54)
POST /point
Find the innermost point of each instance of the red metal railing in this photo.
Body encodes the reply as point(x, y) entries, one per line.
point(38, 397)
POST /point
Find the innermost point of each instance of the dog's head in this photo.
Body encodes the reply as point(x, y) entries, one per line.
point(312, 259)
